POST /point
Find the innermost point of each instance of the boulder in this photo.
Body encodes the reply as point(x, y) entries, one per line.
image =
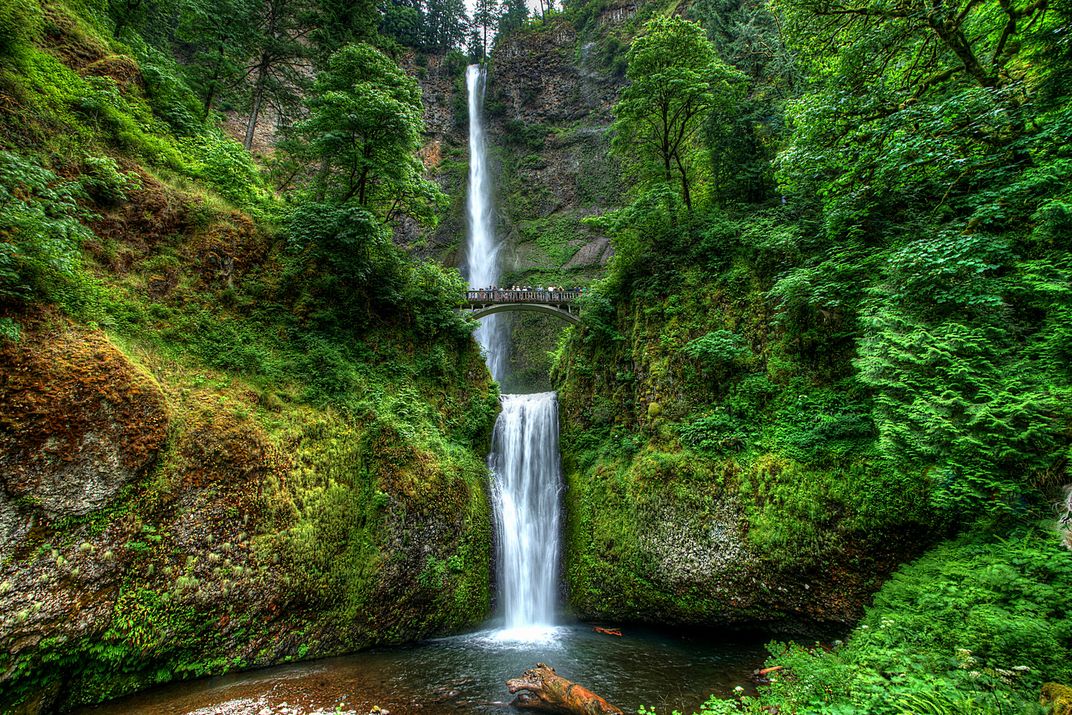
point(1058, 698)
point(78, 422)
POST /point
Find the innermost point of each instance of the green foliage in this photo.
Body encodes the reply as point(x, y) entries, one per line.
point(676, 81)
point(436, 25)
point(974, 627)
point(978, 622)
point(347, 251)
point(223, 39)
point(330, 340)
point(222, 163)
point(20, 21)
point(102, 180)
point(40, 235)
point(348, 270)
point(718, 349)
point(954, 400)
point(334, 24)
point(515, 13)
point(364, 130)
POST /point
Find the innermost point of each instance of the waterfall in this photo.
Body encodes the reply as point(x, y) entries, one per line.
point(524, 460)
point(526, 475)
point(483, 249)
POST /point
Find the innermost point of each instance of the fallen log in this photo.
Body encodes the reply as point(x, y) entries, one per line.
point(607, 631)
point(543, 690)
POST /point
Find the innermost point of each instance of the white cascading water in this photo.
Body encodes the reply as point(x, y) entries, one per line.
point(524, 459)
point(483, 249)
point(526, 476)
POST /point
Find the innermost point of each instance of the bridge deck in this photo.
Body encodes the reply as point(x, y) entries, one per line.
point(557, 298)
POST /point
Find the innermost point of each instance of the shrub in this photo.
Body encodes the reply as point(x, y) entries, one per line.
point(102, 179)
point(40, 234)
point(975, 625)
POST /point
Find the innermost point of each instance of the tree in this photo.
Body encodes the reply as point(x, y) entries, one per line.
point(402, 23)
point(919, 43)
point(364, 131)
point(221, 39)
point(475, 45)
point(546, 6)
point(445, 23)
point(676, 80)
point(486, 18)
point(514, 15)
point(278, 64)
point(337, 23)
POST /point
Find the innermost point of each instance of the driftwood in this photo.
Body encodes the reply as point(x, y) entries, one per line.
point(544, 690)
point(607, 631)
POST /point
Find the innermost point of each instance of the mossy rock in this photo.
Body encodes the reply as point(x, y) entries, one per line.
point(78, 420)
point(1058, 697)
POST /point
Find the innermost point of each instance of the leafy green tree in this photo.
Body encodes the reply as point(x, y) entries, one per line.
point(364, 131)
point(915, 44)
point(676, 81)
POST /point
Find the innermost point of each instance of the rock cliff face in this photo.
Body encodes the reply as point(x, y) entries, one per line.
point(681, 554)
point(550, 108)
point(151, 531)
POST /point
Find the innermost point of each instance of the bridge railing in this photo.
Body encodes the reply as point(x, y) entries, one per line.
point(485, 297)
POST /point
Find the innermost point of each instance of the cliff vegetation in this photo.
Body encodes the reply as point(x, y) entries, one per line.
point(238, 425)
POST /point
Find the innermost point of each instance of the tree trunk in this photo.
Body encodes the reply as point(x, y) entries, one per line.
point(543, 690)
point(686, 195)
point(214, 84)
point(258, 97)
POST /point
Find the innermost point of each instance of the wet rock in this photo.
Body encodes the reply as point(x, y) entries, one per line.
point(594, 253)
point(78, 421)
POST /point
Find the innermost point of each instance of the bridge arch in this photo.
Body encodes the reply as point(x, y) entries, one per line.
point(557, 302)
point(561, 313)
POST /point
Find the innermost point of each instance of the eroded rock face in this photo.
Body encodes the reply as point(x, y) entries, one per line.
point(541, 82)
point(594, 253)
point(78, 422)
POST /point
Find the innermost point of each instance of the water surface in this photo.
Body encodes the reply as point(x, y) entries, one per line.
point(467, 674)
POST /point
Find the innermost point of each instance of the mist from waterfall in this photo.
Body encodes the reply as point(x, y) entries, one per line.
point(524, 461)
point(483, 249)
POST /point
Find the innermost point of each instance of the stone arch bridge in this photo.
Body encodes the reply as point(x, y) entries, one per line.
point(559, 303)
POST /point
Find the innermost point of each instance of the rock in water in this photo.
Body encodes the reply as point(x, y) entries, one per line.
point(544, 690)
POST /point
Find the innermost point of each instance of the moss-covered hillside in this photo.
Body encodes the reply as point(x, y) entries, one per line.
point(209, 460)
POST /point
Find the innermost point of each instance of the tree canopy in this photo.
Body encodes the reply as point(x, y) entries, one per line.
point(675, 81)
point(364, 130)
